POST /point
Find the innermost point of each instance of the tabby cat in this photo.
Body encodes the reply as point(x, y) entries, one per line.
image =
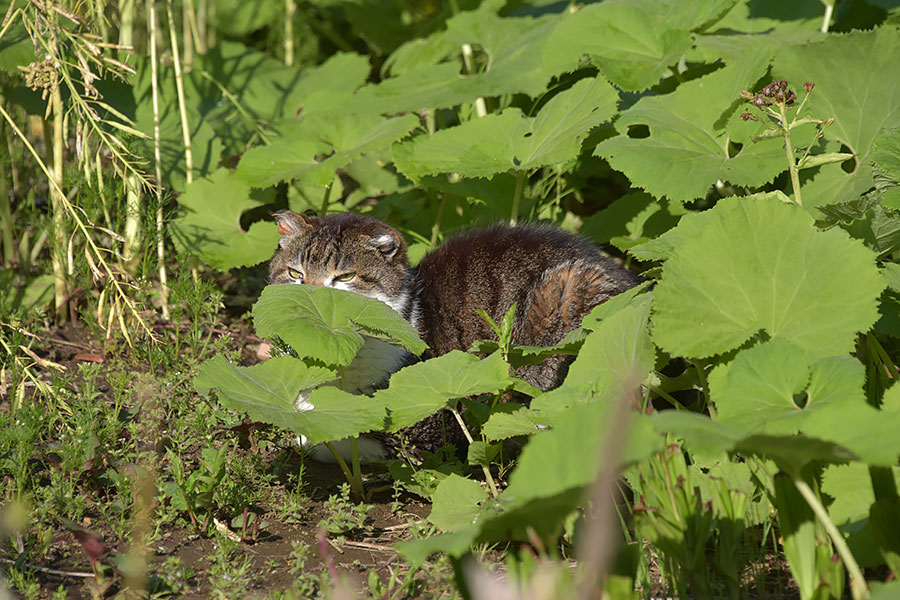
point(555, 277)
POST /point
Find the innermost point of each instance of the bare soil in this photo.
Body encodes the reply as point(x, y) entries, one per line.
point(269, 551)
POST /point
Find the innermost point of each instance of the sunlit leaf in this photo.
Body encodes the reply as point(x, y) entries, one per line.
point(328, 324)
point(498, 143)
point(420, 390)
point(761, 265)
point(210, 222)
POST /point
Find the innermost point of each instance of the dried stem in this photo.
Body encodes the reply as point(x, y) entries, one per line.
point(290, 8)
point(157, 157)
point(75, 215)
point(57, 199)
point(182, 106)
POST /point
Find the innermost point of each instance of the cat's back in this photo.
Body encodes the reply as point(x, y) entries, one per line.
point(554, 276)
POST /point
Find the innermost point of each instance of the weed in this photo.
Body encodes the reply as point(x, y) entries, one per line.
point(343, 516)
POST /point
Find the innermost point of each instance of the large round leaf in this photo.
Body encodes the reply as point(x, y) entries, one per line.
point(761, 266)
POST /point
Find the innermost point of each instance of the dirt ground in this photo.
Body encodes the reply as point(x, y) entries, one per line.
point(268, 557)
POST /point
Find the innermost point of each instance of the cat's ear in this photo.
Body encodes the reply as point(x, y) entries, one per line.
point(388, 243)
point(290, 223)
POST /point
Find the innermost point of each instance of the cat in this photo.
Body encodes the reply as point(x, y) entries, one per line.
point(555, 278)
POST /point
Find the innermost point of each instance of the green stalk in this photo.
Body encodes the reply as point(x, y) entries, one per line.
point(157, 156)
point(75, 216)
point(789, 151)
point(354, 460)
point(325, 199)
point(826, 20)
point(857, 582)
point(704, 385)
point(126, 22)
point(436, 228)
point(487, 472)
point(517, 196)
point(201, 23)
point(355, 485)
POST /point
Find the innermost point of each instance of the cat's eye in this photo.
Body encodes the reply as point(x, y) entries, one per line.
point(345, 277)
point(295, 274)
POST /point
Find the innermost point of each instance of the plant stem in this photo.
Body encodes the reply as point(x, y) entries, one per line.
point(325, 199)
point(355, 485)
point(182, 106)
point(857, 582)
point(157, 157)
point(190, 16)
point(290, 7)
point(517, 196)
point(132, 244)
point(80, 225)
point(487, 471)
point(186, 37)
point(436, 228)
point(826, 20)
point(57, 199)
point(704, 385)
point(5, 213)
point(126, 22)
point(354, 462)
point(789, 151)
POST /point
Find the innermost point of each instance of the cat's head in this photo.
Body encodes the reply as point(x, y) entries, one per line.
point(344, 251)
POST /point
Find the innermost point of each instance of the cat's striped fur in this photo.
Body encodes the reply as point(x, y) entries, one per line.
point(554, 276)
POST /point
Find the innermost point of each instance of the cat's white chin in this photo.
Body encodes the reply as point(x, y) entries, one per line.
point(369, 449)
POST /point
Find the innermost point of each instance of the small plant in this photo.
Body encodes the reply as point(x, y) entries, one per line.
point(778, 104)
point(344, 516)
point(195, 493)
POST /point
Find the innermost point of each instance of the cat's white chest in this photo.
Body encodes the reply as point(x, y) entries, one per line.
point(373, 365)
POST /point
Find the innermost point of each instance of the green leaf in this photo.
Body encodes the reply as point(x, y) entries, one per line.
point(453, 544)
point(785, 18)
point(701, 435)
point(210, 223)
point(347, 138)
point(851, 488)
point(506, 423)
point(516, 64)
point(687, 149)
point(798, 528)
point(867, 432)
point(630, 220)
point(422, 479)
point(456, 503)
point(771, 388)
point(615, 358)
point(793, 453)
point(328, 324)
point(761, 265)
point(498, 143)
point(267, 393)
point(886, 153)
point(422, 389)
point(633, 43)
point(861, 101)
point(482, 453)
point(546, 466)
